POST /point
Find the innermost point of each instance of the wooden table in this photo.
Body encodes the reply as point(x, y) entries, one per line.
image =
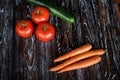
point(96, 22)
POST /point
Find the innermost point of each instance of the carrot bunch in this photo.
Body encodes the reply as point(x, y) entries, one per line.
point(78, 58)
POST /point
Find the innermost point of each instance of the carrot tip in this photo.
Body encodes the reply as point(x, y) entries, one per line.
point(104, 51)
point(60, 71)
point(51, 69)
point(55, 60)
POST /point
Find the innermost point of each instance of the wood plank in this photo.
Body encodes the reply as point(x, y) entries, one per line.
point(96, 22)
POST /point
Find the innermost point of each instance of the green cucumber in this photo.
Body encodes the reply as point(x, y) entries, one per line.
point(61, 13)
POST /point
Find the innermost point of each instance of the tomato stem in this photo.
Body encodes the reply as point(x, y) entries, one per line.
point(23, 25)
point(44, 28)
point(38, 12)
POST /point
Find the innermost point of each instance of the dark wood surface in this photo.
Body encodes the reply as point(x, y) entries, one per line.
point(96, 22)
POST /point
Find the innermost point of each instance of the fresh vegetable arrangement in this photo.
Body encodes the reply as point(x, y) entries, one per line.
point(78, 58)
point(41, 15)
point(61, 13)
point(44, 31)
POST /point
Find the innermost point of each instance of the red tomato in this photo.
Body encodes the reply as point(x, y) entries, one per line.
point(40, 14)
point(45, 32)
point(24, 28)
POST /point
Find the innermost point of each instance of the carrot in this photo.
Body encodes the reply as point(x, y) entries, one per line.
point(74, 52)
point(82, 64)
point(78, 58)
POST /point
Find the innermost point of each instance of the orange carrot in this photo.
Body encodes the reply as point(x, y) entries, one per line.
point(82, 64)
point(78, 57)
point(74, 52)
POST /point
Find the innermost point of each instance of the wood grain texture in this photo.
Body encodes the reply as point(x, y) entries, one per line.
point(96, 22)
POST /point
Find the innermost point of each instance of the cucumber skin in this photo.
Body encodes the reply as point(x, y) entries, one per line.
point(61, 13)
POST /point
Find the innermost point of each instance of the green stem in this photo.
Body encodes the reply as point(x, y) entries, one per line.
point(59, 12)
point(38, 12)
point(23, 25)
point(44, 28)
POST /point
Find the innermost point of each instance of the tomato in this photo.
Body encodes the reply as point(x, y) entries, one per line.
point(45, 32)
point(24, 28)
point(40, 14)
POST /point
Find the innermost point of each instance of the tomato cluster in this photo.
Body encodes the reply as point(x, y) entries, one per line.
point(44, 31)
